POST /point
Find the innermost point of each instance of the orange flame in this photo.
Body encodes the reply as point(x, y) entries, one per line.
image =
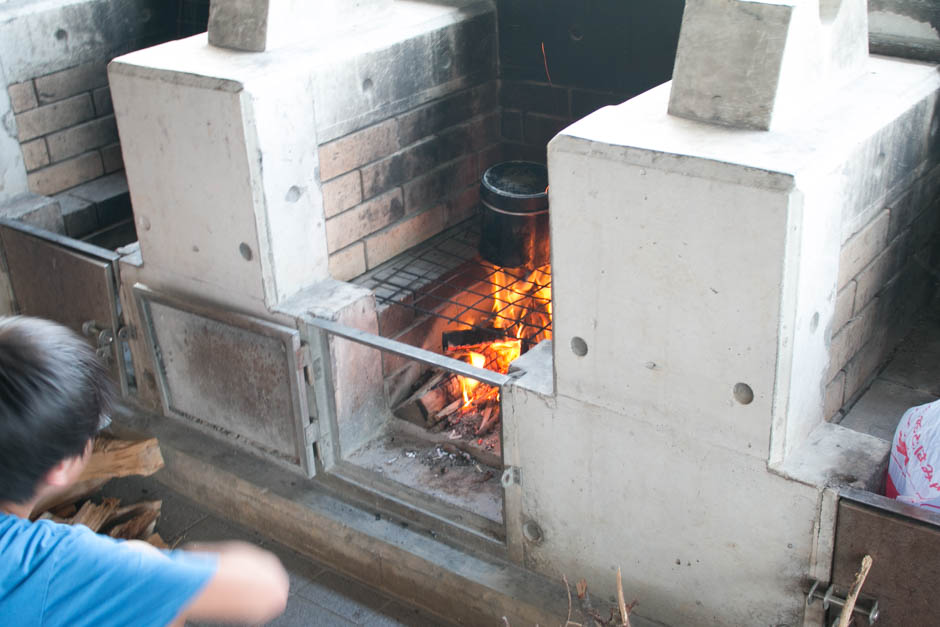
point(523, 305)
point(468, 385)
point(522, 309)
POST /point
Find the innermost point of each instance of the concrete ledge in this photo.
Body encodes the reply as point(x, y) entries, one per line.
point(834, 456)
point(400, 560)
point(39, 211)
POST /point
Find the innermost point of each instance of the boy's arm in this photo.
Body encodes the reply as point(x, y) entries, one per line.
point(249, 586)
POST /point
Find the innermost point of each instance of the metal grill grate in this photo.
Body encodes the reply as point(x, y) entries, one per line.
point(445, 278)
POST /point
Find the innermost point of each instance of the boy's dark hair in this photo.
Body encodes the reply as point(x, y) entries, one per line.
point(53, 393)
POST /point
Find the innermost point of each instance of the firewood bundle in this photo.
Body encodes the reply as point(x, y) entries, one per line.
point(110, 458)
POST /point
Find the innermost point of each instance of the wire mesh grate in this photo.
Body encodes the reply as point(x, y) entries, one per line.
point(445, 278)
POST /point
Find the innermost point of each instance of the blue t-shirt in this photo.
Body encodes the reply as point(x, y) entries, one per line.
point(53, 574)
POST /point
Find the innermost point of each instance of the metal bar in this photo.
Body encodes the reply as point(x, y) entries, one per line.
point(410, 352)
point(890, 506)
point(62, 240)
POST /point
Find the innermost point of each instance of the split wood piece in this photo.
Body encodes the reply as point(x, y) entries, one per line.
point(95, 516)
point(136, 521)
point(490, 417)
point(850, 600)
point(75, 492)
point(66, 510)
point(157, 541)
point(447, 411)
point(122, 458)
point(139, 527)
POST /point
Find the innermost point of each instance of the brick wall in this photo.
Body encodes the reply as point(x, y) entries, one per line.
point(887, 275)
point(66, 127)
point(64, 118)
point(393, 184)
point(596, 54)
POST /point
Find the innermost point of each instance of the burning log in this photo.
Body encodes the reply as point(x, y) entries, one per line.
point(453, 341)
point(425, 406)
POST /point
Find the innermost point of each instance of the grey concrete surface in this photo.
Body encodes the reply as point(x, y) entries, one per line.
point(318, 597)
point(910, 378)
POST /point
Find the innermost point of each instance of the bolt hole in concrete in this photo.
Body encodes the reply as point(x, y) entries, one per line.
point(579, 347)
point(743, 393)
point(828, 10)
point(61, 34)
point(532, 531)
point(294, 194)
point(245, 251)
point(575, 33)
point(367, 85)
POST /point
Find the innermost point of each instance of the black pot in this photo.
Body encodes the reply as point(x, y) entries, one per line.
point(514, 199)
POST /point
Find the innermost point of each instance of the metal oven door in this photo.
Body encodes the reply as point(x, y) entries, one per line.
point(231, 373)
point(69, 281)
point(904, 543)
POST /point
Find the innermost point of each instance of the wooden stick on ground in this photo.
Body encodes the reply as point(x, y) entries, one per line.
point(849, 606)
point(624, 615)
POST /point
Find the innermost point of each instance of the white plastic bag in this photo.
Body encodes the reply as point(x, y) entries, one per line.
point(914, 466)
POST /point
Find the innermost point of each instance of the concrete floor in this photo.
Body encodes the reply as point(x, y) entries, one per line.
point(910, 378)
point(318, 596)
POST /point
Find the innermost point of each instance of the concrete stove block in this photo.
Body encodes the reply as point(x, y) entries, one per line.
point(235, 141)
point(259, 25)
point(753, 64)
point(695, 273)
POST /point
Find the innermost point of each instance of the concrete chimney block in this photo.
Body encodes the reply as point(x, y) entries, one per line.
point(259, 25)
point(753, 63)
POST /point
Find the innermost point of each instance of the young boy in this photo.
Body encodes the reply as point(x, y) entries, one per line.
point(54, 398)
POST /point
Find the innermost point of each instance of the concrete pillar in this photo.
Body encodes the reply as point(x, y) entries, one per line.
point(259, 25)
point(222, 164)
point(756, 64)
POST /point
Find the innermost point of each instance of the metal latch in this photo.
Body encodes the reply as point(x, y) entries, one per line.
point(104, 338)
point(828, 597)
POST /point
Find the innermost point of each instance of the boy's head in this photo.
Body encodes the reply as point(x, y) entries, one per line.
point(53, 394)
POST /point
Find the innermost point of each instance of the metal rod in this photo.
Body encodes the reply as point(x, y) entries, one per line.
point(411, 352)
point(828, 597)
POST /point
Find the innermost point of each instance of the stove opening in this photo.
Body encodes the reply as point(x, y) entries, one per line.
point(442, 296)
point(443, 433)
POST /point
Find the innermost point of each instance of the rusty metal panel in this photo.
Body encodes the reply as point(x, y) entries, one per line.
point(239, 374)
point(904, 542)
point(65, 280)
